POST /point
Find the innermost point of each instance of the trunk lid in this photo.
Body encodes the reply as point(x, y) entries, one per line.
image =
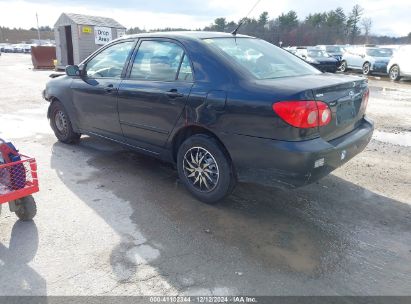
point(345, 101)
point(342, 93)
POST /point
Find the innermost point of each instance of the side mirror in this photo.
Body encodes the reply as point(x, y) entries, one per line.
point(73, 70)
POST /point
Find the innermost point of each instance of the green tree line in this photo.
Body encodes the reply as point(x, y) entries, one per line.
point(330, 27)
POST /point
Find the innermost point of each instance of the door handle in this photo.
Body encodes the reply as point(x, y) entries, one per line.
point(109, 88)
point(173, 93)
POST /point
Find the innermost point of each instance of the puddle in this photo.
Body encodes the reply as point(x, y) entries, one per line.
point(401, 139)
point(394, 93)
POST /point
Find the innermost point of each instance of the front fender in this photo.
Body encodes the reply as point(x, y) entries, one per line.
point(58, 89)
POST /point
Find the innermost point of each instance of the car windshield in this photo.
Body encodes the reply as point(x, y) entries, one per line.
point(379, 52)
point(262, 59)
point(317, 53)
point(333, 49)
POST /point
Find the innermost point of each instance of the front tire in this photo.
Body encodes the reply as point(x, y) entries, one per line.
point(61, 124)
point(343, 66)
point(395, 73)
point(366, 68)
point(205, 169)
point(27, 208)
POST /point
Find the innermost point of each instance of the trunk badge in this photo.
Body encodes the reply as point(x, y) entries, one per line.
point(351, 94)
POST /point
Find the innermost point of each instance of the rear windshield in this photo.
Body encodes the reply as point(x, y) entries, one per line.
point(262, 59)
point(379, 52)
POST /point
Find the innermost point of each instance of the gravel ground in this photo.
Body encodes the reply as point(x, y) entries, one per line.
point(114, 222)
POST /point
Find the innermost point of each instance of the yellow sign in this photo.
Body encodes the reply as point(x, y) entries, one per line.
point(87, 29)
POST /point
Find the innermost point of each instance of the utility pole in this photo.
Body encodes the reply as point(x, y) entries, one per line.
point(38, 29)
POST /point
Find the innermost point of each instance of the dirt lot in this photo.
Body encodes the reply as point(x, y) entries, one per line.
point(113, 222)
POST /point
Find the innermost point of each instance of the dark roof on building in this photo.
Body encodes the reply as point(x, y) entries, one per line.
point(92, 20)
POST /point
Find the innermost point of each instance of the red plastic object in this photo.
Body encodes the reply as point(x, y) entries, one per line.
point(18, 179)
point(303, 113)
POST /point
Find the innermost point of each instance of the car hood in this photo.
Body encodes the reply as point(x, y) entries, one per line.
point(324, 59)
point(335, 54)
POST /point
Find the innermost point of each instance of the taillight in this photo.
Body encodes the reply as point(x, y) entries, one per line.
point(365, 98)
point(303, 113)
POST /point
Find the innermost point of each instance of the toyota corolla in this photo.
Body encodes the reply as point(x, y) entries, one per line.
point(222, 107)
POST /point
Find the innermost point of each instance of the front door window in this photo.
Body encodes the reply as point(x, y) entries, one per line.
point(110, 62)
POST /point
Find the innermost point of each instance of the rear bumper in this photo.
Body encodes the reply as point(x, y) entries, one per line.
point(294, 164)
point(379, 67)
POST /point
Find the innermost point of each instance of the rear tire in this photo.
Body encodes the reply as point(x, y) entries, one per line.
point(61, 124)
point(366, 69)
point(205, 169)
point(395, 73)
point(27, 208)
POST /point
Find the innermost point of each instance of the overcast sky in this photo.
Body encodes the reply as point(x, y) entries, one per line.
point(390, 17)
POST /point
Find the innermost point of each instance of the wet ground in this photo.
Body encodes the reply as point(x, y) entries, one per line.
point(114, 222)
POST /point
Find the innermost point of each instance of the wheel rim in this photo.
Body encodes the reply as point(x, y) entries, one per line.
point(60, 122)
point(201, 169)
point(366, 69)
point(394, 73)
point(343, 66)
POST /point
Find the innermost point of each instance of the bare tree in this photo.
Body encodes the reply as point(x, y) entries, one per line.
point(366, 24)
point(353, 21)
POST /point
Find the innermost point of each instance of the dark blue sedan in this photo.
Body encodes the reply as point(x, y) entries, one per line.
point(222, 107)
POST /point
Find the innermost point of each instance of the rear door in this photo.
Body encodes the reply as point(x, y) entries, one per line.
point(153, 96)
point(95, 93)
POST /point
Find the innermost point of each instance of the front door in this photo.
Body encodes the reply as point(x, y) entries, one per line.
point(358, 58)
point(95, 93)
point(153, 96)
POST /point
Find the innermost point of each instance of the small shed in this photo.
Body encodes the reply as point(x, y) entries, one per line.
point(77, 36)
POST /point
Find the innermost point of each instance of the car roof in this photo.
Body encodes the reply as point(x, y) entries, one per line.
point(196, 35)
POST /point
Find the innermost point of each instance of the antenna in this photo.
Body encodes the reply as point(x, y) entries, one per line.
point(38, 29)
point(242, 20)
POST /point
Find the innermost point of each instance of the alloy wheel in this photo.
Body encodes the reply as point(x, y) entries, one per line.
point(394, 73)
point(366, 69)
point(343, 66)
point(201, 169)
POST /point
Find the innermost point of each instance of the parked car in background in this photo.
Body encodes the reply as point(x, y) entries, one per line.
point(18, 48)
point(27, 48)
point(222, 107)
point(8, 48)
point(367, 59)
point(291, 49)
point(335, 51)
point(319, 59)
point(400, 63)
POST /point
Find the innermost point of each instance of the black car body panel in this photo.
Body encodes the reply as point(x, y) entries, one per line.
point(288, 164)
point(222, 99)
point(326, 64)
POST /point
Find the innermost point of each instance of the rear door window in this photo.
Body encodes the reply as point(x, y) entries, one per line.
point(185, 73)
point(160, 61)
